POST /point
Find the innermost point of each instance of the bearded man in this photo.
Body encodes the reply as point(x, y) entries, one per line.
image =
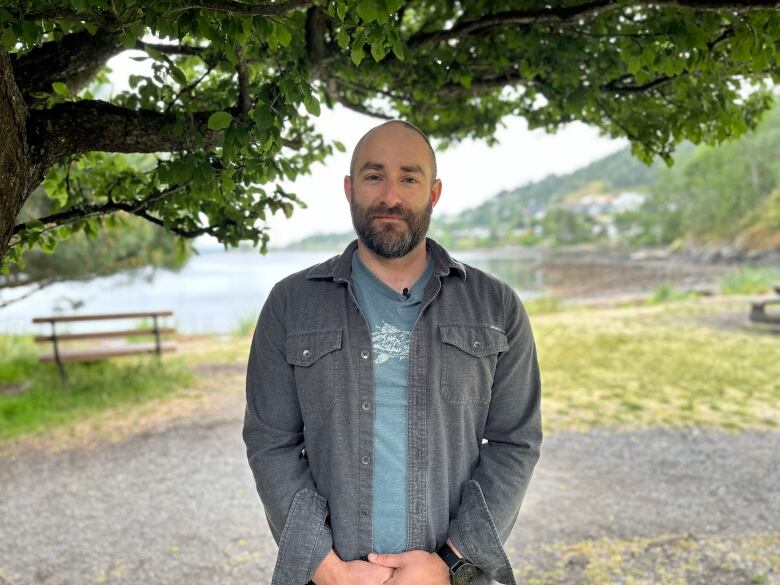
point(393, 394)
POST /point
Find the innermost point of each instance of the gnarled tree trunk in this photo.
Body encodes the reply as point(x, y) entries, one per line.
point(17, 171)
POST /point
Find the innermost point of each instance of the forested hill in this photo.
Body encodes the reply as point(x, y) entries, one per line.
point(508, 216)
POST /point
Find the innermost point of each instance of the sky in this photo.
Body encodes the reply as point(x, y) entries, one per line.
point(470, 171)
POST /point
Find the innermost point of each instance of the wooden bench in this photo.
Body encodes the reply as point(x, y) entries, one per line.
point(94, 354)
point(758, 312)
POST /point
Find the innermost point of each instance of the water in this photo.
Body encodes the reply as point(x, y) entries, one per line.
point(217, 290)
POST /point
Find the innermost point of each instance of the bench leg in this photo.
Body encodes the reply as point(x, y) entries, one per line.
point(60, 366)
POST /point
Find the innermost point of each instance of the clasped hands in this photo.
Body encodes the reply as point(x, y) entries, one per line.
point(414, 567)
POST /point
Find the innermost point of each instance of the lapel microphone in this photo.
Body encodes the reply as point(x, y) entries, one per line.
point(405, 292)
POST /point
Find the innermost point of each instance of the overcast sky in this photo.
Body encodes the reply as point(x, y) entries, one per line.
point(471, 172)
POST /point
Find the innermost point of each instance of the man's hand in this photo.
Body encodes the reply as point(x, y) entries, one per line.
point(334, 571)
point(414, 567)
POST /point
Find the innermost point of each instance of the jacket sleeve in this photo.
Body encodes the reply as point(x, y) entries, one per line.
point(490, 500)
point(273, 434)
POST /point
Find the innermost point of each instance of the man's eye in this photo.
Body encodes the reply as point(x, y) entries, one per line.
point(412, 179)
point(372, 177)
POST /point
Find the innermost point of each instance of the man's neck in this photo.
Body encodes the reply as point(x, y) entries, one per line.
point(397, 273)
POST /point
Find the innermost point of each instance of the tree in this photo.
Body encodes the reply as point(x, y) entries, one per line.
point(129, 245)
point(228, 109)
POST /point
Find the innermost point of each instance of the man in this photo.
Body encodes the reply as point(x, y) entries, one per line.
point(393, 396)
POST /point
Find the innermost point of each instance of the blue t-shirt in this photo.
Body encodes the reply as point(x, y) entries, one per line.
point(391, 318)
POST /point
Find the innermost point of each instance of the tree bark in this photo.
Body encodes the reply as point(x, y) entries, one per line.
point(16, 169)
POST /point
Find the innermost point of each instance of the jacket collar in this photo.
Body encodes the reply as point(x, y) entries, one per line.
point(339, 268)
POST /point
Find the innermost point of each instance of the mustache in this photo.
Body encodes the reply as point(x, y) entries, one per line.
point(382, 209)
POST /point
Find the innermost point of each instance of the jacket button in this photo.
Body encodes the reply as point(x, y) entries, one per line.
point(364, 512)
point(364, 354)
point(366, 460)
point(306, 353)
point(477, 345)
point(365, 406)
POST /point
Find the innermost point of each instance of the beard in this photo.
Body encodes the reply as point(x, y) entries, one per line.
point(390, 239)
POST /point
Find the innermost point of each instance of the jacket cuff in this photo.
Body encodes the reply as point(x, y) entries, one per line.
point(474, 534)
point(305, 541)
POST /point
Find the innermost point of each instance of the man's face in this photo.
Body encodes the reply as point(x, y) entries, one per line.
point(392, 193)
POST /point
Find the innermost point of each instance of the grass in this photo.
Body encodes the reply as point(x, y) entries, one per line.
point(623, 368)
point(748, 281)
point(542, 305)
point(657, 365)
point(657, 561)
point(666, 293)
point(45, 402)
point(244, 325)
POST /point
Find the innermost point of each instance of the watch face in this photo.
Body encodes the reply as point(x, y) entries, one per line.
point(464, 574)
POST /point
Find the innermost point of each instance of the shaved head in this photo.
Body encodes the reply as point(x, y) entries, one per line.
point(405, 124)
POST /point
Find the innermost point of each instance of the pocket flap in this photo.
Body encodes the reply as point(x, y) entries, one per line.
point(474, 338)
point(306, 347)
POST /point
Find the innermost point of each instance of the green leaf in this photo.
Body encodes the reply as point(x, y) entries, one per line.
point(60, 88)
point(378, 51)
point(283, 35)
point(9, 39)
point(342, 38)
point(178, 75)
point(312, 105)
point(367, 10)
point(357, 53)
point(219, 120)
point(398, 49)
point(153, 53)
point(339, 146)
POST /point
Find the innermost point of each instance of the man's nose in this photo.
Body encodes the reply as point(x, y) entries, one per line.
point(391, 194)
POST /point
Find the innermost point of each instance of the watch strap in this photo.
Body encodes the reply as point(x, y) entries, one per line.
point(449, 556)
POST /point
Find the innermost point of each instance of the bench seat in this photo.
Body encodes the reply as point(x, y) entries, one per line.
point(758, 312)
point(97, 354)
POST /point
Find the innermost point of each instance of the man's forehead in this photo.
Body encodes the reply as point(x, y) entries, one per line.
point(392, 141)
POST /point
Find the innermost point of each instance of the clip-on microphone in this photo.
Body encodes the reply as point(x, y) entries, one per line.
point(405, 292)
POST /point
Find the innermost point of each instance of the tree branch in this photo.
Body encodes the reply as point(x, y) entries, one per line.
point(172, 49)
point(74, 60)
point(566, 13)
point(534, 16)
point(105, 20)
point(86, 211)
point(241, 9)
point(317, 50)
point(93, 125)
point(39, 285)
point(244, 103)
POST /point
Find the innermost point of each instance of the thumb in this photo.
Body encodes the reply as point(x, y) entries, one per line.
point(386, 560)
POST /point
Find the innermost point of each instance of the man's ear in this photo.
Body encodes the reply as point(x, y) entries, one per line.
point(435, 192)
point(348, 188)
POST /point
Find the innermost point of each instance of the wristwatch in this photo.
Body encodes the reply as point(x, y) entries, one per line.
point(462, 571)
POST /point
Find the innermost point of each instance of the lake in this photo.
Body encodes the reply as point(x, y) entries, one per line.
point(218, 290)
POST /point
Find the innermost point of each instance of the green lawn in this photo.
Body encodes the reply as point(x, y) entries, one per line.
point(657, 365)
point(33, 398)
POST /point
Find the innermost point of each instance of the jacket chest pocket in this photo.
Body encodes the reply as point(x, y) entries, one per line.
point(315, 357)
point(469, 352)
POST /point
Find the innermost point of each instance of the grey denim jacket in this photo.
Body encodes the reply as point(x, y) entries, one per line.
point(474, 431)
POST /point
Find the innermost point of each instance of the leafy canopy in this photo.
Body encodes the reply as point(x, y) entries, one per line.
point(226, 115)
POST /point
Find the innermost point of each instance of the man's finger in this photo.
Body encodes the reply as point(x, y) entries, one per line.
point(386, 559)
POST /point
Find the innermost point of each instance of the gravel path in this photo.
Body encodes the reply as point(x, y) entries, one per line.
point(179, 505)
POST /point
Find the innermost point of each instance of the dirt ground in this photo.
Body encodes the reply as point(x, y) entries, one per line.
point(162, 493)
